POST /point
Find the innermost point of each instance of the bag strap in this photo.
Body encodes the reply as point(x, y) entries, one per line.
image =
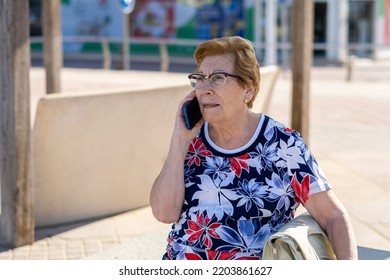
point(301, 237)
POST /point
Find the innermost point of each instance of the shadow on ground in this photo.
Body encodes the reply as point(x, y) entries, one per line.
point(372, 254)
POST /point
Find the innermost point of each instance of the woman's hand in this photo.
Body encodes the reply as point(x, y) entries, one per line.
point(181, 132)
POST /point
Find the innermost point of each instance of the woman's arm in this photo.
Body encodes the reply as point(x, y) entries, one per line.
point(167, 194)
point(328, 211)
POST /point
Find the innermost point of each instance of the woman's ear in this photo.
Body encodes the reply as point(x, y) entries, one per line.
point(250, 92)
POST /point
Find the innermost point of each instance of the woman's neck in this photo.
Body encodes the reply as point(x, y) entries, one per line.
point(235, 133)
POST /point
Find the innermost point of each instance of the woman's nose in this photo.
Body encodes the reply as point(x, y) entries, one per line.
point(204, 90)
point(206, 85)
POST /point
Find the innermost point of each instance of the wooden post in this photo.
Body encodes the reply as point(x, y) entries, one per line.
point(302, 42)
point(164, 57)
point(126, 42)
point(52, 44)
point(16, 217)
point(106, 55)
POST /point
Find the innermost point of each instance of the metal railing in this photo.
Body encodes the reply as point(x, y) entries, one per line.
point(107, 55)
point(165, 58)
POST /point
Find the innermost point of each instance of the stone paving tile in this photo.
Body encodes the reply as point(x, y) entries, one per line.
point(21, 253)
point(109, 243)
point(92, 246)
point(6, 255)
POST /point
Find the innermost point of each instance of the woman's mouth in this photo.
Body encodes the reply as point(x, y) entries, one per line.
point(210, 105)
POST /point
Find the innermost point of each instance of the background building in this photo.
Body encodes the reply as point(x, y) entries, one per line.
point(341, 27)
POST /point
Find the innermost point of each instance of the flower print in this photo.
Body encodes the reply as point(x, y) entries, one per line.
point(188, 176)
point(180, 250)
point(221, 255)
point(290, 155)
point(219, 169)
point(272, 129)
point(251, 192)
point(318, 180)
point(264, 157)
point(195, 150)
point(252, 232)
point(169, 250)
point(280, 190)
point(240, 163)
point(250, 235)
point(175, 250)
point(192, 256)
point(301, 189)
point(179, 225)
point(289, 130)
point(279, 219)
point(202, 229)
point(248, 258)
point(212, 255)
point(214, 199)
point(168, 254)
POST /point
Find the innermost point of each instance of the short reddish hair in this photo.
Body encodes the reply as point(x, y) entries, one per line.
point(246, 65)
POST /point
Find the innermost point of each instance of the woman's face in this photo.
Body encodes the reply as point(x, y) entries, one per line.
point(220, 104)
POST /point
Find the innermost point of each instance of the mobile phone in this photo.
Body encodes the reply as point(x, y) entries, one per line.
point(191, 112)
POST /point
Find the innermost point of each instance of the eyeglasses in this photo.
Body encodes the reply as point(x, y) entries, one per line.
point(217, 79)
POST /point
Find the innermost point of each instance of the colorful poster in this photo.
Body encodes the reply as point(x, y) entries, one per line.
point(219, 18)
point(90, 18)
point(153, 18)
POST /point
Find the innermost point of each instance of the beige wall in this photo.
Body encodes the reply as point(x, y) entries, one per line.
point(98, 154)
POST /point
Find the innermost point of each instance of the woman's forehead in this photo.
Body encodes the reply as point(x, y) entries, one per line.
point(222, 62)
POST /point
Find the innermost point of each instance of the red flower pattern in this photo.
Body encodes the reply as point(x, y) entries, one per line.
point(287, 129)
point(220, 255)
point(301, 189)
point(202, 230)
point(213, 255)
point(239, 163)
point(195, 150)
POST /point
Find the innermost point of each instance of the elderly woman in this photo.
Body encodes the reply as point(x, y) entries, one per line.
point(237, 176)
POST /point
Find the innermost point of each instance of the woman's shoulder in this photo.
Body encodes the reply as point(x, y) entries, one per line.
point(274, 126)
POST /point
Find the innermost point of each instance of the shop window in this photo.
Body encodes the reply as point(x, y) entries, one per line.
point(360, 28)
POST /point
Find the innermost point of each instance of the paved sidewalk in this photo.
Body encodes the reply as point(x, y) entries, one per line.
point(84, 239)
point(349, 132)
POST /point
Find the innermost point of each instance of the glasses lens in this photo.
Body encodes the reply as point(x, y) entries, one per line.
point(217, 79)
point(196, 81)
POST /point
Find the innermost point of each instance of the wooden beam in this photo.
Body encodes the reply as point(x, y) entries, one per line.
point(126, 42)
point(16, 217)
point(51, 14)
point(302, 46)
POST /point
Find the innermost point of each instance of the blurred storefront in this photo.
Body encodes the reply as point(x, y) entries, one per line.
point(341, 27)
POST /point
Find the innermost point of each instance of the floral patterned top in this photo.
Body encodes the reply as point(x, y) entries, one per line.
point(235, 199)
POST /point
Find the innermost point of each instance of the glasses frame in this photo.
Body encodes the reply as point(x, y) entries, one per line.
point(208, 78)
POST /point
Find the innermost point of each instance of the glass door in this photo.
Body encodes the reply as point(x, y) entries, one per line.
point(320, 28)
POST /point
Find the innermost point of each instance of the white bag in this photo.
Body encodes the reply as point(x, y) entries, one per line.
point(300, 239)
